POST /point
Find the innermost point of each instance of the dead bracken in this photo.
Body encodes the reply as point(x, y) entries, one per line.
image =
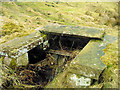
point(73, 51)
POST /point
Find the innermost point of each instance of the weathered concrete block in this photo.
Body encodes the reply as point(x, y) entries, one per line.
point(73, 31)
point(80, 81)
point(85, 67)
point(15, 51)
point(7, 60)
point(88, 63)
point(21, 45)
point(22, 60)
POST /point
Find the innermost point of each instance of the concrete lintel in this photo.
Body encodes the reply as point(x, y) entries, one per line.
point(21, 45)
point(73, 31)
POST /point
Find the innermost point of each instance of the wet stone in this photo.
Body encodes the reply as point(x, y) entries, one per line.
point(73, 30)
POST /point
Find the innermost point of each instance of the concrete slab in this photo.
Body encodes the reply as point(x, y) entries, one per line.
point(21, 45)
point(87, 63)
point(85, 67)
point(73, 30)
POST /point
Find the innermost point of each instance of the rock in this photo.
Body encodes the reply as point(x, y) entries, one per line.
point(22, 60)
point(7, 61)
point(15, 51)
point(112, 21)
point(85, 67)
point(73, 31)
point(105, 19)
point(80, 81)
point(88, 62)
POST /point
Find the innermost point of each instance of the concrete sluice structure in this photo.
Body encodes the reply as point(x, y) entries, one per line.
point(73, 52)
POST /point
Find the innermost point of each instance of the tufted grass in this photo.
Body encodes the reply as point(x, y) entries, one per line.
point(21, 18)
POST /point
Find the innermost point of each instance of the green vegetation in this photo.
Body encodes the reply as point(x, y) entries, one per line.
point(21, 18)
point(10, 28)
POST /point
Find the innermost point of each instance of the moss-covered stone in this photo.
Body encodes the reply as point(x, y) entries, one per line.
point(71, 13)
point(18, 46)
point(74, 30)
point(15, 51)
point(87, 64)
point(7, 60)
point(22, 60)
point(13, 63)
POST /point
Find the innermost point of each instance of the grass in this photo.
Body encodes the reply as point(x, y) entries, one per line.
point(21, 18)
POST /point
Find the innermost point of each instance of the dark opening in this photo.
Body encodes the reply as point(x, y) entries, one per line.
point(45, 65)
point(36, 54)
point(68, 43)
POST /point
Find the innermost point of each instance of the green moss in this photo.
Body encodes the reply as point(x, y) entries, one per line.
point(2, 58)
point(111, 55)
point(68, 13)
point(10, 28)
point(13, 63)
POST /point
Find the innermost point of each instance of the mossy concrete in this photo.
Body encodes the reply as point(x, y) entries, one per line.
point(86, 64)
point(18, 46)
point(73, 31)
point(22, 60)
point(15, 51)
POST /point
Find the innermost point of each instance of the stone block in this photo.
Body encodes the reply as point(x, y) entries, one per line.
point(15, 51)
point(77, 31)
point(22, 60)
point(88, 62)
